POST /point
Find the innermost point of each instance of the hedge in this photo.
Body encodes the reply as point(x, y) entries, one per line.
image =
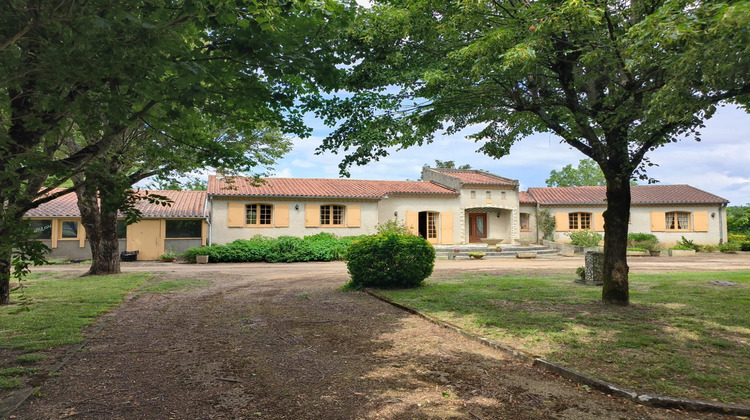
point(320, 247)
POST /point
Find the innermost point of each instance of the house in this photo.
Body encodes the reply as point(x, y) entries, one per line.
point(667, 211)
point(175, 228)
point(450, 206)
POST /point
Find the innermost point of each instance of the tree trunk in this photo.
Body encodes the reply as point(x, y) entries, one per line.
point(5, 278)
point(615, 277)
point(101, 232)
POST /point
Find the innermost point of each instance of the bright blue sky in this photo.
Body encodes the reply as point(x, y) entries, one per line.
point(719, 164)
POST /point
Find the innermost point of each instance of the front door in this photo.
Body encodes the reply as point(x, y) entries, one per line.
point(144, 237)
point(477, 227)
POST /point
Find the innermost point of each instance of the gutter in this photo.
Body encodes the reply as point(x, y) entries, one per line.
point(210, 216)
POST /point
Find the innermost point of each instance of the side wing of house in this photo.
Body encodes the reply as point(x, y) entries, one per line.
point(437, 219)
point(704, 224)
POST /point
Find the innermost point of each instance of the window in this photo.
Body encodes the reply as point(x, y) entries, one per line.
point(42, 228)
point(432, 219)
point(122, 229)
point(473, 194)
point(69, 230)
point(489, 195)
point(579, 221)
point(677, 220)
point(257, 214)
point(524, 221)
point(502, 195)
point(332, 215)
point(184, 228)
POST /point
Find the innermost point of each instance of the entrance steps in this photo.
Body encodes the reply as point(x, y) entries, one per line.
point(447, 252)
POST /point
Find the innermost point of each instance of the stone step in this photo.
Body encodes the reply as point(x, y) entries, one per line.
point(447, 252)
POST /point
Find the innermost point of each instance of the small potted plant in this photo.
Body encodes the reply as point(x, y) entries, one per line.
point(170, 256)
point(476, 255)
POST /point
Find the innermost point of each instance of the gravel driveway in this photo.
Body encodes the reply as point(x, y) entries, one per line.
point(281, 341)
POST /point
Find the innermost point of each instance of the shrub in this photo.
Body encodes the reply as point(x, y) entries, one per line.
point(320, 247)
point(585, 238)
point(729, 247)
point(389, 260)
point(745, 246)
point(685, 244)
point(392, 227)
point(646, 241)
point(581, 272)
point(736, 237)
point(707, 248)
point(546, 223)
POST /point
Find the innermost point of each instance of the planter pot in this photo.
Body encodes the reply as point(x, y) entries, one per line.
point(169, 259)
point(525, 254)
point(201, 259)
point(637, 253)
point(681, 252)
point(477, 257)
point(655, 253)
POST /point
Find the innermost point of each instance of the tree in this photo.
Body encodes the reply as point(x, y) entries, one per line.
point(107, 185)
point(614, 80)
point(449, 164)
point(93, 70)
point(587, 173)
point(738, 219)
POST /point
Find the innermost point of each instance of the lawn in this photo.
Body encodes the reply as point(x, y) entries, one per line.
point(51, 311)
point(681, 336)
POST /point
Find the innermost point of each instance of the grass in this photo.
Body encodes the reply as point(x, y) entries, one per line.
point(51, 311)
point(171, 286)
point(681, 336)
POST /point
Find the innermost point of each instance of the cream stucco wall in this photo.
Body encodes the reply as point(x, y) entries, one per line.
point(640, 222)
point(532, 234)
point(396, 206)
point(495, 201)
point(222, 234)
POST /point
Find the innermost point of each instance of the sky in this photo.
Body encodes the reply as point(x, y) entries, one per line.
point(719, 164)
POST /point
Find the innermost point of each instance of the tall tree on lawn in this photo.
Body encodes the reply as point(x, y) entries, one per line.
point(612, 79)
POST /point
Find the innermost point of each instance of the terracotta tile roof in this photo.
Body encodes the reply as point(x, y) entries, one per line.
point(186, 204)
point(640, 195)
point(477, 177)
point(525, 198)
point(324, 188)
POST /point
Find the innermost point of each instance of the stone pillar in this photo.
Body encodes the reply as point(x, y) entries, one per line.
point(594, 268)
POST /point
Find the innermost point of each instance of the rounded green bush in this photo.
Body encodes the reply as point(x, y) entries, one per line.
point(389, 261)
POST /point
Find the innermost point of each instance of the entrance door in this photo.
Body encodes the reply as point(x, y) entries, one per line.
point(477, 227)
point(145, 237)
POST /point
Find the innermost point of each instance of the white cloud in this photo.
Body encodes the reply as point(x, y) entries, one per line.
point(719, 164)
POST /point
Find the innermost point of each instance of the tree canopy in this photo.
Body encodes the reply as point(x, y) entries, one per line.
point(612, 79)
point(587, 173)
point(183, 72)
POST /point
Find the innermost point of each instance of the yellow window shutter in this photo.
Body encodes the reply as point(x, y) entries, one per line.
point(658, 221)
point(446, 228)
point(599, 222)
point(700, 221)
point(56, 227)
point(235, 214)
point(312, 215)
point(354, 215)
point(204, 232)
point(561, 222)
point(281, 215)
point(81, 235)
point(412, 222)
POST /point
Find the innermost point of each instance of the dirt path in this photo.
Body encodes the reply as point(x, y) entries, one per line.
point(282, 342)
